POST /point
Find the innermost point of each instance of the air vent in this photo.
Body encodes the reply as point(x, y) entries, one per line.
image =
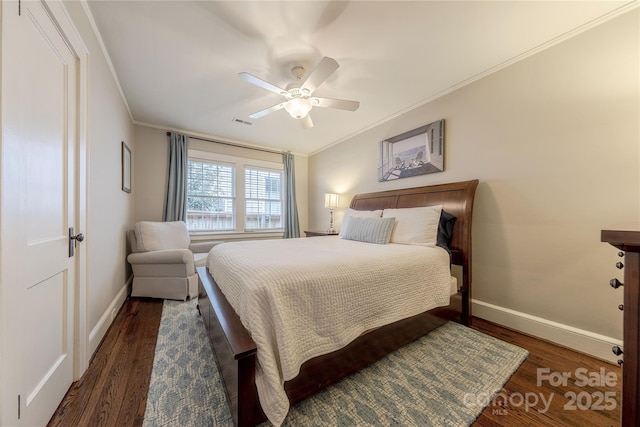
point(244, 122)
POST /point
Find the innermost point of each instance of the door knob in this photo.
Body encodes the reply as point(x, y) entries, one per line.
point(73, 238)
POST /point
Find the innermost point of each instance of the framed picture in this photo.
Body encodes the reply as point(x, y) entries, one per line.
point(126, 168)
point(417, 152)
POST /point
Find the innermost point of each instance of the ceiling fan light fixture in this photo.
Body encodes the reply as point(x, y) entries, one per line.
point(299, 93)
point(298, 107)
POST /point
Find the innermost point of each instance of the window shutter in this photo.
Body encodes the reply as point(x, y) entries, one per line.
point(211, 199)
point(263, 199)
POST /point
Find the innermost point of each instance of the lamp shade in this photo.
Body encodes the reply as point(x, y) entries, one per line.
point(330, 200)
point(298, 107)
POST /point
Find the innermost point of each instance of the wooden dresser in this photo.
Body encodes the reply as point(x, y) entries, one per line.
point(629, 243)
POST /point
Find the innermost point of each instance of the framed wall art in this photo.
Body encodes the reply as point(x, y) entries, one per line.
point(126, 168)
point(417, 152)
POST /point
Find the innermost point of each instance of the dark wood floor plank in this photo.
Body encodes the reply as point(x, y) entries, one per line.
point(91, 401)
point(107, 401)
point(80, 400)
point(137, 384)
point(114, 389)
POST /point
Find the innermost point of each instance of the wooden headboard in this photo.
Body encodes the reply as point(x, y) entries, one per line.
point(456, 198)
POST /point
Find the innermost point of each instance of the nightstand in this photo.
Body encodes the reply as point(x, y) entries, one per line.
point(320, 233)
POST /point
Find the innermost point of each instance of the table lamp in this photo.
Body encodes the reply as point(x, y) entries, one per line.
point(331, 202)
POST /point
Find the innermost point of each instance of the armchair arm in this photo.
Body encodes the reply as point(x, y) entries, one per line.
point(202, 247)
point(167, 256)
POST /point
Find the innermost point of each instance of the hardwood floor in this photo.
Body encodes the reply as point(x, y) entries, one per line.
point(568, 401)
point(113, 391)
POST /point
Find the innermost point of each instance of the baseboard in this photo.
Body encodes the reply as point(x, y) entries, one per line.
point(99, 331)
point(596, 345)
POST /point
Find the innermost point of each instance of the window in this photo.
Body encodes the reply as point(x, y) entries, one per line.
point(233, 195)
point(211, 203)
point(263, 199)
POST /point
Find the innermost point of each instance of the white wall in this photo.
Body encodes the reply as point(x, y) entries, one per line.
point(151, 172)
point(110, 210)
point(554, 140)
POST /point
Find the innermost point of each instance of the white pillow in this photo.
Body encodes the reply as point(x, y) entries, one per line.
point(352, 213)
point(415, 226)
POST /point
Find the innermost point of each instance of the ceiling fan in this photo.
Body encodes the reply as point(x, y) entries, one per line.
point(299, 93)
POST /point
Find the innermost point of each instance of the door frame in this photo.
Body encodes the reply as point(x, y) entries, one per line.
point(81, 328)
point(76, 44)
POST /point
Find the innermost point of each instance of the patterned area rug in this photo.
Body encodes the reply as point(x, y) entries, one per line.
point(435, 381)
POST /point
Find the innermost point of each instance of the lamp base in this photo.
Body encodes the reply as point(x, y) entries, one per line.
point(331, 230)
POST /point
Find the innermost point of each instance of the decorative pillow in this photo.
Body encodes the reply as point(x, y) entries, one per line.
point(352, 213)
point(445, 230)
point(370, 230)
point(415, 226)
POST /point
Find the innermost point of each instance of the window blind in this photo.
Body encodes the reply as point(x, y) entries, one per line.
point(263, 199)
point(211, 199)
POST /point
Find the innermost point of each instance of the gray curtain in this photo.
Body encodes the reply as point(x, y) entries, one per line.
point(175, 207)
point(291, 225)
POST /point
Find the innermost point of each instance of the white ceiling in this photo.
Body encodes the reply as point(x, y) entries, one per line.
point(177, 61)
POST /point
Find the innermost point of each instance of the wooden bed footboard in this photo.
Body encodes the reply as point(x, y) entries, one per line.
point(235, 351)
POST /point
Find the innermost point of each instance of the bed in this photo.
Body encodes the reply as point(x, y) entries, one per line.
point(236, 351)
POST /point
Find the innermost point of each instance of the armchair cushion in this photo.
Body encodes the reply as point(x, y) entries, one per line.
point(167, 263)
point(167, 256)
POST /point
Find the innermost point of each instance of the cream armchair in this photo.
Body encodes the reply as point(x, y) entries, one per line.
point(164, 260)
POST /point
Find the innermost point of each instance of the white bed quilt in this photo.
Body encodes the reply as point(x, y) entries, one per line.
point(301, 298)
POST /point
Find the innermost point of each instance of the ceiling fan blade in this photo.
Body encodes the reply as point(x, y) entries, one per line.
point(340, 104)
point(323, 70)
point(266, 111)
point(306, 122)
point(262, 83)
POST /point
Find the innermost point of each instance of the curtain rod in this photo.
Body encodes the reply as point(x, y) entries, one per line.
point(231, 144)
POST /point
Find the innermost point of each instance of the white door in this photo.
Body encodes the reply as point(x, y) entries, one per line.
point(38, 277)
